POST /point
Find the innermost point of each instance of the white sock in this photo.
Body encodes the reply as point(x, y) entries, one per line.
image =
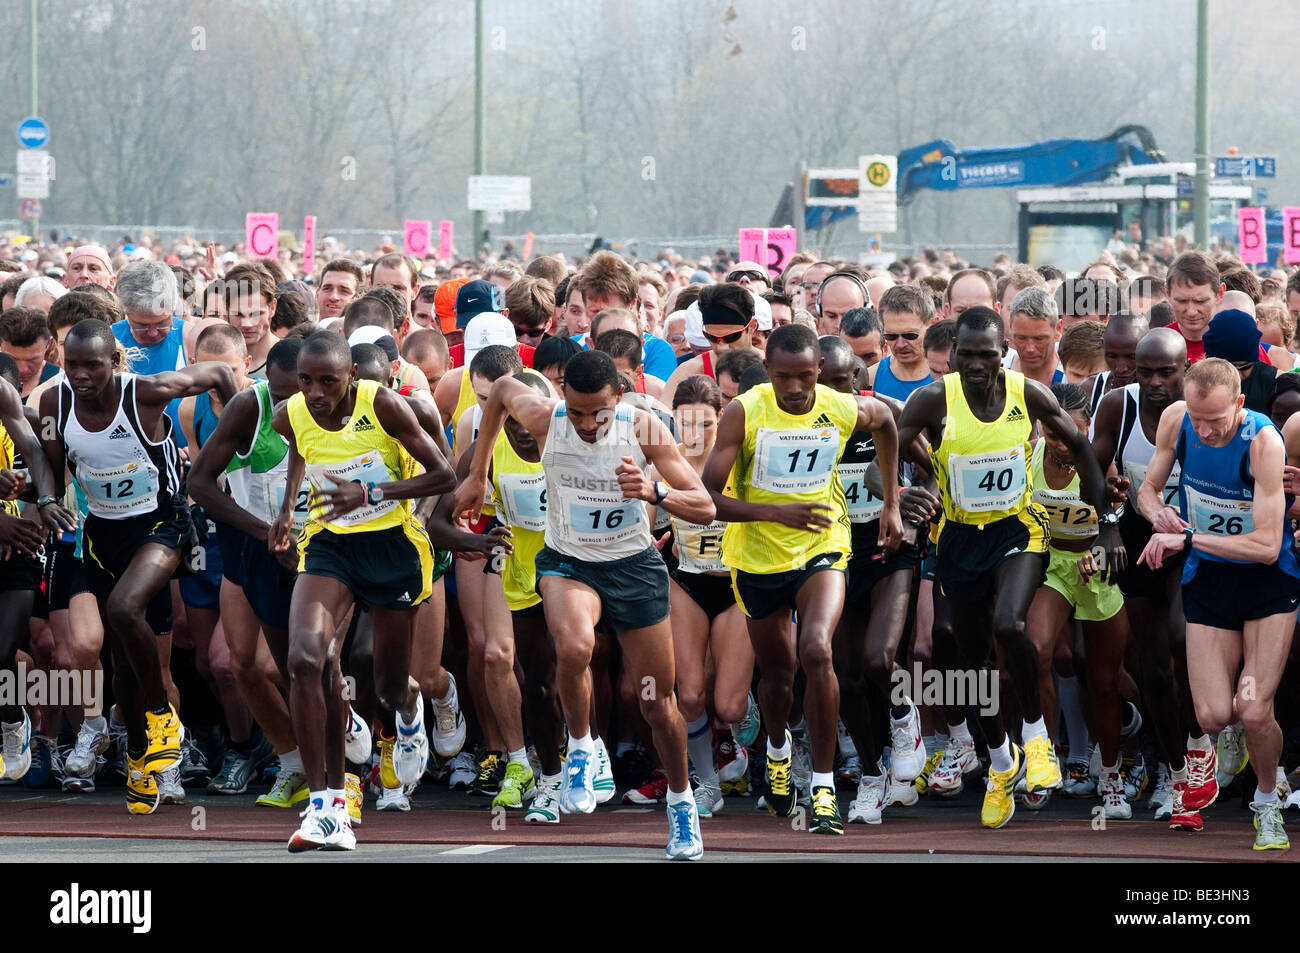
point(1037, 729)
point(823, 779)
point(680, 797)
point(1110, 769)
point(1000, 758)
point(98, 725)
point(1180, 775)
point(521, 756)
point(584, 743)
point(775, 753)
point(1076, 728)
point(451, 693)
point(1266, 797)
point(699, 748)
point(291, 762)
point(1202, 743)
point(960, 734)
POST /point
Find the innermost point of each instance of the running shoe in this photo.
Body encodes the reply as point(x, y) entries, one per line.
point(708, 798)
point(733, 768)
point(1078, 780)
point(319, 822)
point(141, 788)
point(780, 795)
point(908, 759)
point(1130, 725)
point(411, 753)
point(1270, 832)
point(353, 796)
point(1042, 772)
point(387, 768)
point(44, 764)
point(826, 811)
point(490, 772)
point(900, 792)
point(654, 791)
point(393, 799)
point(194, 764)
point(744, 732)
point(516, 787)
point(999, 795)
point(1115, 804)
point(1231, 752)
point(464, 769)
point(1033, 800)
point(959, 760)
point(82, 761)
point(867, 806)
point(1162, 798)
point(684, 840)
point(545, 806)
point(1202, 784)
point(603, 783)
point(342, 837)
point(1133, 771)
point(170, 788)
point(165, 733)
point(1182, 817)
point(801, 764)
point(358, 741)
point(922, 782)
point(448, 724)
point(578, 796)
point(17, 756)
point(290, 788)
point(849, 773)
point(235, 774)
point(1283, 785)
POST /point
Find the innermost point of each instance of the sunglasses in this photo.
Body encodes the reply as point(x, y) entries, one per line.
point(751, 275)
point(725, 338)
point(906, 335)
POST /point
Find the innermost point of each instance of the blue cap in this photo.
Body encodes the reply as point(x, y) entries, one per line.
point(477, 297)
point(1234, 336)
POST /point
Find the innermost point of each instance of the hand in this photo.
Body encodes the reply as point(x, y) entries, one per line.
point(917, 504)
point(1160, 547)
point(1087, 568)
point(58, 519)
point(1113, 553)
point(467, 501)
point(209, 269)
point(495, 542)
point(280, 533)
point(633, 481)
point(343, 498)
point(891, 528)
point(810, 517)
point(1119, 487)
point(21, 536)
point(288, 558)
point(12, 484)
point(1168, 521)
point(1290, 480)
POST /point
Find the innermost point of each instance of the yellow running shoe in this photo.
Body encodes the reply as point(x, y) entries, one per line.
point(780, 785)
point(516, 787)
point(165, 734)
point(825, 812)
point(1043, 772)
point(290, 788)
point(922, 782)
point(141, 788)
point(352, 790)
point(1000, 796)
point(387, 772)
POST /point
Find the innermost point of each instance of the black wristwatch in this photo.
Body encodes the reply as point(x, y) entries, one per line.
point(1187, 539)
point(661, 491)
point(46, 501)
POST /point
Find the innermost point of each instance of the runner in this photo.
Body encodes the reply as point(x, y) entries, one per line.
point(727, 316)
point(1240, 579)
point(607, 570)
point(111, 433)
point(905, 311)
point(248, 292)
point(992, 548)
point(362, 459)
point(787, 524)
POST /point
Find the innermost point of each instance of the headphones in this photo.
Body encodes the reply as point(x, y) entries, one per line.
point(866, 296)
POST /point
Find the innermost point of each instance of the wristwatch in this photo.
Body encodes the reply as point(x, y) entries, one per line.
point(46, 501)
point(374, 494)
point(661, 491)
point(1187, 539)
point(1109, 519)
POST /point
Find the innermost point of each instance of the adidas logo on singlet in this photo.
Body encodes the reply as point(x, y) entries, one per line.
point(1015, 413)
point(822, 421)
point(120, 433)
point(363, 424)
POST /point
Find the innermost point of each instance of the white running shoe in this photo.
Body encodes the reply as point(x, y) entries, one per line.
point(358, 741)
point(393, 799)
point(17, 757)
point(449, 725)
point(578, 796)
point(411, 752)
point(545, 806)
point(959, 759)
point(736, 768)
point(801, 766)
point(80, 764)
point(708, 798)
point(867, 806)
point(170, 789)
point(1114, 805)
point(464, 770)
point(1162, 798)
point(1232, 751)
point(603, 783)
point(318, 823)
point(684, 840)
point(900, 792)
point(909, 750)
point(342, 837)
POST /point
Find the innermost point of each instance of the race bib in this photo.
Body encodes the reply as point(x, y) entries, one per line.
point(984, 482)
point(662, 519)
point(1209, 514)
point(367, 468)
point(863, 505)
point(596, 524)
point(1137, 473)
point(127, 490)
point(1070, 517)
point(273, 494)
point(523, 496)
point(795, 461)
point(699, 548)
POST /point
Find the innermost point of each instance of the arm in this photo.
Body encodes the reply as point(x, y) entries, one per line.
point(877, 417)
point(1106, 438)
point(687, 499)
point(444, 534)
point(1162, 517)
point(53, 516)
point(237, 421)
point(281, 531)
point(186, 414)
point(447, 393)
point(426, 412)
point(160, 389)
point(1260, 545)
point(518, 400)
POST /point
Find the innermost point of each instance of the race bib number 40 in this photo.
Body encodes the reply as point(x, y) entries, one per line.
point(795, 461)
point(367, 468)
point(985, 482)
point(1209, 514)
point(127, 490)
point(863, 506)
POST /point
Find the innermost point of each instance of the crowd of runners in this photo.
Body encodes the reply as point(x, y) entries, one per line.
point(685, 532)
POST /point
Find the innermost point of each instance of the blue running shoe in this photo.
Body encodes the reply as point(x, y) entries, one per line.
point(43, 762)
point(745, 731)
point(684, 840)
point(579, 793)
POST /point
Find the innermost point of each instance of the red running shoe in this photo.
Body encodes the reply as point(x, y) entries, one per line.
point(1183, 817)
point(1202, 785)
point(654, 791)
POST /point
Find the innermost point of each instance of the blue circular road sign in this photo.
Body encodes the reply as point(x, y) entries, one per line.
point(33, 133)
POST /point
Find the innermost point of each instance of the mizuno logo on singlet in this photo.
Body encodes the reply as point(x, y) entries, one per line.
point(1015, 413)
point(363, 424)
point(822, 421)
point(862, 446)
point(120, 433)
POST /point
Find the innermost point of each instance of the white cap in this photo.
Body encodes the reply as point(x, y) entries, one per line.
point(695, 326)
point(762, 312)
point(485, 330)
point(368, 334)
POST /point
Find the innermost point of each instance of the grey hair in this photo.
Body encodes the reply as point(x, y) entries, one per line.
point(147, 287)
point(1036, 303)
point(40, 285)
point(805, 318)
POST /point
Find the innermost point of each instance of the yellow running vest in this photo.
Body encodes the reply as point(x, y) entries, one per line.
point(983, 468)
point(519, 493)
point(12, 507)
point(790, 459)
point(362, 452)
